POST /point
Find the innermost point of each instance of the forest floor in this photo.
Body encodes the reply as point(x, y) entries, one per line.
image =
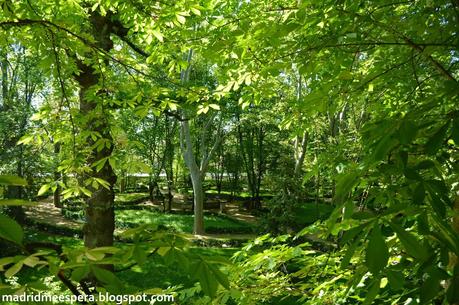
point(232, 208)
point(44, 212)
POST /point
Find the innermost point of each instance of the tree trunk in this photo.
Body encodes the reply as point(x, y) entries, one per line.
point(4, 69)
point(300, 153)
point(169, 161)
point(196, 178)
point(15, 212)
point(99, 211)
point(198, 227)
point(57, 176)
point(123, 183)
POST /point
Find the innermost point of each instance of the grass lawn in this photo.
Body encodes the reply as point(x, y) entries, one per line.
point(181, 222)
point(237, 194)
point(130, 197)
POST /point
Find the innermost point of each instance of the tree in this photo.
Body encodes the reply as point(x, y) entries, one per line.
point(198, 173)
point(20, 84)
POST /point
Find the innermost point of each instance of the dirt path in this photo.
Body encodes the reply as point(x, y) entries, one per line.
point(46, 213)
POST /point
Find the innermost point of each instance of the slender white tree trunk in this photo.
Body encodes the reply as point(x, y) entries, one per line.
point(196, 177)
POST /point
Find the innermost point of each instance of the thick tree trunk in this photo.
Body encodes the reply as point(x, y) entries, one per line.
point(99, 211)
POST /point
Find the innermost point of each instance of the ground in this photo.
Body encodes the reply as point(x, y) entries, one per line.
point(234, 218)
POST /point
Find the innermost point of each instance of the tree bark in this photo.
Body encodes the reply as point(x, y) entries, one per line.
point(57, 176)
point(99, 211)
point(300, 152)
point(169, 162)
point(196, 177)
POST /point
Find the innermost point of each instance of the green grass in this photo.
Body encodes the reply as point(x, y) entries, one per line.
point(237, 194)
point(65, 241)
point(181, 222)
point(130, 197)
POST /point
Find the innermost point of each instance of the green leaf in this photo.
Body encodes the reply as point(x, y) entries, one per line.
point(95, 255)
point(407, 132)
point(107, 277)
point(209, 277)
point(85, 191)
point(377, 254)
point(214, 106)
point(10, 230)
point(412, 174)
point(6, 261)
point(158, 35)
point(437, 201)
point(80, 273)
point(452, 294)
point(31, 261)
point(94, 7)
point(445, 232)
point(396, 279)
point(345, 185)
point(180, 18)
point(208, 284)
point(12, 180)
point(419, 194)
point(221, 278)
point(372, 292)
point(430, 287)
point(196, 11)
point(436, 141)
point(43, 189)
point(349, 254)
point(422, 224)
point(26, 139)
point(383, 147)
point(352, 233)
point(14, 269)
point(410, 242)
point(140, 255)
